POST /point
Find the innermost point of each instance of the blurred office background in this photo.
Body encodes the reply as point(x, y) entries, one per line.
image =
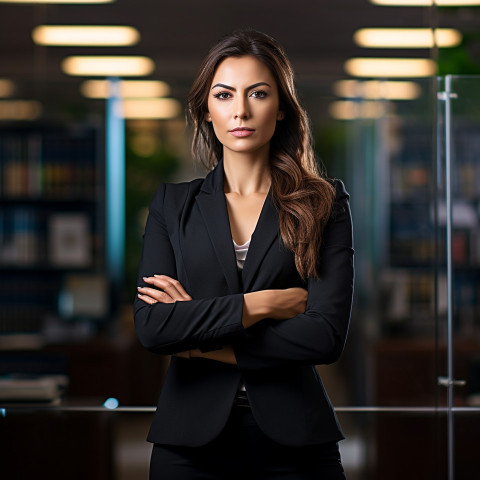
point(84, 142)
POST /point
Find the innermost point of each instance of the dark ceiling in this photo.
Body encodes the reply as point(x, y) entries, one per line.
point(317, 35)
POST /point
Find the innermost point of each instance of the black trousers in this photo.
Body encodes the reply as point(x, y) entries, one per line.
point(242, 451)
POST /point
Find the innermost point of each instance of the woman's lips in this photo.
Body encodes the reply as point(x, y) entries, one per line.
point(242, 132)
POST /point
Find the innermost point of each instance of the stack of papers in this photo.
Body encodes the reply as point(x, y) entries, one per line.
point(32, 389)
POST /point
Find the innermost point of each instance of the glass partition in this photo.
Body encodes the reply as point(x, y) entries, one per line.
point(414, 339)
point(459, 280)
point(406, 389)
point(391, 359)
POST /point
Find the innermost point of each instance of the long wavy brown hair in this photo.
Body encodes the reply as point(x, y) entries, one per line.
point(302, 195)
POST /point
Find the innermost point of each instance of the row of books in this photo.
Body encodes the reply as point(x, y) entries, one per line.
point(412, 299)
point(415, 180)
point(414, 250)
point(25, 318)
point(25, 300)
point(412, 171)
point(35, 165)
point(30, 237)
point(413, 236)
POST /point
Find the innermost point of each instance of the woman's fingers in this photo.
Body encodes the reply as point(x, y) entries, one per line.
point(172, 287)
point(152, 295)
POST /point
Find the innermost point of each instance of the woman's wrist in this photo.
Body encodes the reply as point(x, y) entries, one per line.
point(257, 306)
point(276, 304)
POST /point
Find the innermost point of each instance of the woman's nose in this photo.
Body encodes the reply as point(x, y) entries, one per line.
point(241, 108)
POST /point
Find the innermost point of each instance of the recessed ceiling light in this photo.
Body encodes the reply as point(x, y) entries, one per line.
point(407, 37)
point(377, 89)
point(426, 3)
point(128, 88)
point(456, 3)
point(105, 66)
point(20, 109)
point(153, 108)
point(84, 35)
point(390, 67)
point(57, 1)
point(7, 88)
point(349, 110)
point(343, 110)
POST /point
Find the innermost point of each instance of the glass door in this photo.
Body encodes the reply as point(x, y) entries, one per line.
point(392, 413)
point(459, 266)
point(414, 349)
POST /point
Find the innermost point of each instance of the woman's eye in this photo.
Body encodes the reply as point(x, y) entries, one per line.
point(258, 94)
point(222, 95)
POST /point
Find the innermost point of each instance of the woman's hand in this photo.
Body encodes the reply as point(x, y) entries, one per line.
point(288, 303)
point(276, 304)
point(164, 290)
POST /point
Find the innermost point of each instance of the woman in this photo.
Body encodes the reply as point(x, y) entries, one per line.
point(246, 278)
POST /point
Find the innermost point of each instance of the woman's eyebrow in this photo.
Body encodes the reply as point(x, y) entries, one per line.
point(228, 87)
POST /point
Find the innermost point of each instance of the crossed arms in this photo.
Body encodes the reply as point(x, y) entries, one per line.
point(262, 329)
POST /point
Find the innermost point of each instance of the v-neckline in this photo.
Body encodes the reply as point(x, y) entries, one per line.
point(256, 223)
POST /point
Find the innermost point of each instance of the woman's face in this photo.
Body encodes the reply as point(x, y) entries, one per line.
point(243, 105)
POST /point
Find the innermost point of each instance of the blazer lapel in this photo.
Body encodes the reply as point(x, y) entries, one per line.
point(263, 237)
point(213, 207)
point(212, 204)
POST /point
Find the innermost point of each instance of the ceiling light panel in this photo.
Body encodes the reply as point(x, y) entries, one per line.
point(349, 110)
point(154, 108)
point(377, 89)
point(404, 3)
point(407, 37)
point(456, 3)
point(390, 67)
point(128, 89)
point(84, 35)
point(108, 66)
point(7, 88)
point(20, 110)
point(426, 3)
point(57, 1)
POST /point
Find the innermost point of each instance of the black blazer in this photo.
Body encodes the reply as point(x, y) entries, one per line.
point(188, 237)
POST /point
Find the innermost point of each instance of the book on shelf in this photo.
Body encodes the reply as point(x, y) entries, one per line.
point(48, 164)
point(69, 240)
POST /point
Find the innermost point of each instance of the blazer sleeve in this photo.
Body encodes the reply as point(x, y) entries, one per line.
point(318, 335)
point(168, 328)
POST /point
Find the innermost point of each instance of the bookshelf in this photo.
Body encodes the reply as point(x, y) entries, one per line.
point(52, 204)
point(416, 273)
